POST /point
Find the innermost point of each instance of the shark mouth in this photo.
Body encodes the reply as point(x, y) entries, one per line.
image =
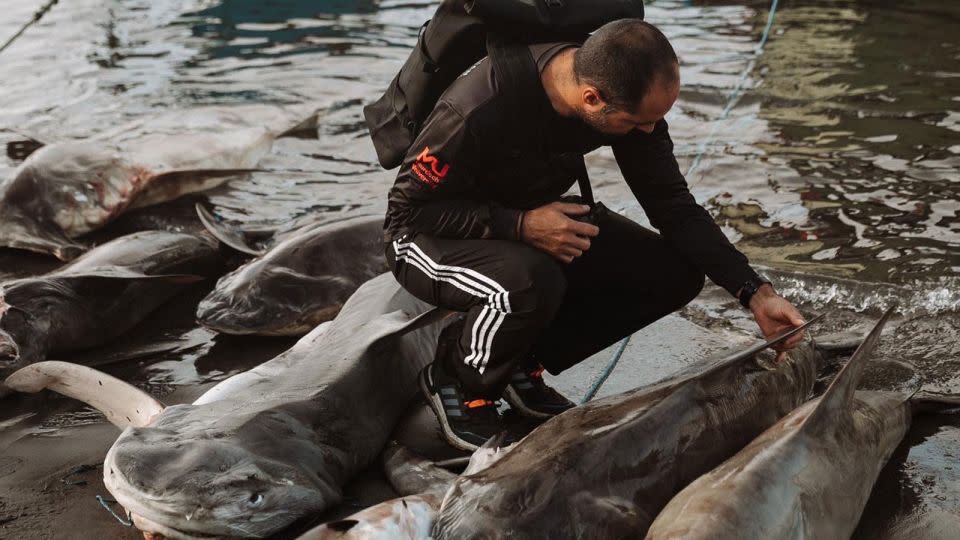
point(155, 531)
point(9, 351)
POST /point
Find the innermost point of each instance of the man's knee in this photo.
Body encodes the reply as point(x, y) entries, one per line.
point(538, 286)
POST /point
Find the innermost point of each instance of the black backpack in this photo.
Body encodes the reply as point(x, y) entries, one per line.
point(459, 35)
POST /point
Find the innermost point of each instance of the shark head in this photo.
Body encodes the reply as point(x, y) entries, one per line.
point(49, 183)
point(21, 341)
point(268, 299)
point(248, 476)
point(302, 281)
point(38, 315)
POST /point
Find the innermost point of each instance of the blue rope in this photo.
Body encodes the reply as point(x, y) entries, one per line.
point(606, 372)
point(732, 98)
point(103, 502)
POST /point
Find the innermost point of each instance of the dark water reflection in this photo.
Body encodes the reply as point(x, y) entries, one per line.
point(918, 494)
point(841, 158)
point(862, 95)
point(251, 30)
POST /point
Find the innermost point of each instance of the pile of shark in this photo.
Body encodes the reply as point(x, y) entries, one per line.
point(733, 446)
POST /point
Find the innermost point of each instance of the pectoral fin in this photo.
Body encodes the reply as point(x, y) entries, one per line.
point(410, 473)
point(116, 272)
point(17, 235)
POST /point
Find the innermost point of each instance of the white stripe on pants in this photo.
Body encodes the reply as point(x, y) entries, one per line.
point(471, 282)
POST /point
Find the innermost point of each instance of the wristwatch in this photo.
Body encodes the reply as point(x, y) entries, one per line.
point(748, 289)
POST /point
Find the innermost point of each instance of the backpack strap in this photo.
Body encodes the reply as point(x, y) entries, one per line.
point(519, 80)
point(583, 180)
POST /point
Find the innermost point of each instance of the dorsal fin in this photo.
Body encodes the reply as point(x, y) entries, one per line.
point(231, 236)
point(839, 395)
point(305, 129)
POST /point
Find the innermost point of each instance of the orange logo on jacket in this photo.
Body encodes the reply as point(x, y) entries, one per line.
point(428, 169)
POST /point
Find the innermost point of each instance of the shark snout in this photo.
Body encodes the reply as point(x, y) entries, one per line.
point(221, 315)
point(240, 315)
point(9, 351)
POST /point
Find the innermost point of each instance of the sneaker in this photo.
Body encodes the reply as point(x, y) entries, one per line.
point(466, 423)
point(531, 397)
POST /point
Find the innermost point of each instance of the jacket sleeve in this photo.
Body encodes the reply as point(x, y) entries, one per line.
point(432, 193)
point(651, 171)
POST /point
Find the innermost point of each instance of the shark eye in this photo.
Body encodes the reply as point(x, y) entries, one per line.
point(255, 499)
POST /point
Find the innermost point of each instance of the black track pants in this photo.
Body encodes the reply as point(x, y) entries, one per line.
point(525, 307)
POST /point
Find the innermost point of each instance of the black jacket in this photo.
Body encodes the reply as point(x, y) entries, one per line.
point(477, 165)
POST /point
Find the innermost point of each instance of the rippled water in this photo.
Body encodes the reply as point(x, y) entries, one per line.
point(840, 157)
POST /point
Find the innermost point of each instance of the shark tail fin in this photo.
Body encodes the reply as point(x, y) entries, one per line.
point(122, 403)
point(232, 237)
point(839, 394)
point(306, 129)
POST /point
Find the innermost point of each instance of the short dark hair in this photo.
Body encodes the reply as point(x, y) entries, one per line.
point(622, 59)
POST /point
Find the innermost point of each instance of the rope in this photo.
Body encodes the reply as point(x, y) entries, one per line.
point(106, 504)
point(732, 98)
point(606, 372)
point(36, 17)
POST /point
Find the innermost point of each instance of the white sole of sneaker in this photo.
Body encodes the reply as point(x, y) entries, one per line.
point(510, 396)
point(433, 400)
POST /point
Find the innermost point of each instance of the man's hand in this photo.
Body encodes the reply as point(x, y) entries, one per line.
point(550, 229)
point(774, 314)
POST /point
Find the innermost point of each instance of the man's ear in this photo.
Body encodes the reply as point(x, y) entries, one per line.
point(592, 101)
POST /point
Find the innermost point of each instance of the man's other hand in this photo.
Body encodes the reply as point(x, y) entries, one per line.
point(550, 229)
point(775, 314)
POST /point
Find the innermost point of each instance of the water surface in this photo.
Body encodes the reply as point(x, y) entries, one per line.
point(839, 157)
